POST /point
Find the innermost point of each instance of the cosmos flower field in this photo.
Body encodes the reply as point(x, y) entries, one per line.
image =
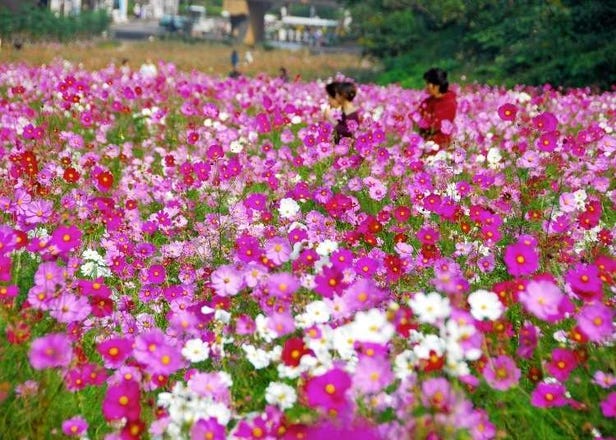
point(189, 257)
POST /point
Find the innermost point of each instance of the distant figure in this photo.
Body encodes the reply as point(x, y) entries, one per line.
point(248, 58)
point(235, 73)
point(148, 69)
point(125, 67)
point(235, 59)
point(341, 95)
point(438, 110)
point(18, 44)
point(283, 75)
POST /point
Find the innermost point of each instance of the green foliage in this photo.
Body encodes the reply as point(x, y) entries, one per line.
point(566, 43)
point(42, 24)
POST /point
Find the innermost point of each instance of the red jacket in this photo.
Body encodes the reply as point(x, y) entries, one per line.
point(433, 112)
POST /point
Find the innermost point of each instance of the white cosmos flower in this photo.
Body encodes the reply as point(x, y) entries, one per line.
point(431, 307)
point(195, 350)
point(281, 395)
point(372, 326)
point(258, 357)
point(485, 305)
point(326, 247)
point(288, 208)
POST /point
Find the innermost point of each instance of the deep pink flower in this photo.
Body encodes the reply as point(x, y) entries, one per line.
point(329, 282)
point(545, 122)
point(585, 281)
point(52, 350)
point(428, 235)
point(521, 259)
point(66, 238)
point(115, 351)
point(548, 395)
point(547, 141)
point(75, 426)
point(502, 373)
point(507, 112)
point(608, 405)
point(156, 274)
point(561, 364)
point(122, 400)
point(328, 391)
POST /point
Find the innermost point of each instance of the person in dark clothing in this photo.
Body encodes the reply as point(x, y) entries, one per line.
point(341, 95)
point(438, 110)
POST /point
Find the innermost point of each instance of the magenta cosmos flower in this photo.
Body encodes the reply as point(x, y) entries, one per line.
point(502, 373)
point(561, 364)
point(521, 259)
point(74, 426)
point(52, 350)
point(608, 406)
point(328, 391)
point(507, 112)
point(548, 395)
point(122, 400)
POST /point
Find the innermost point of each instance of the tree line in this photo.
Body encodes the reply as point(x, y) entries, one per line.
point(568, 43)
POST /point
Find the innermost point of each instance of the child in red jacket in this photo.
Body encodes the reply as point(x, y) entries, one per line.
point(437, 111)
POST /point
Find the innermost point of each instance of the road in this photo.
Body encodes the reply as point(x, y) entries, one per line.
point(136, 30)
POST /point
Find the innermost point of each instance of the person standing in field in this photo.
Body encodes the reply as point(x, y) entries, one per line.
point(341, 95)
point(438, 111)
point(235, 59)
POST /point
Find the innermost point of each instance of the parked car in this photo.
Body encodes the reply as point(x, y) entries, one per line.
point(174, 23)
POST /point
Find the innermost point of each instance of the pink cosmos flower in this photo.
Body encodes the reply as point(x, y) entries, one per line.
point(122, 400)
point(604, 380)
point(74, 426)
point(212, 385)
point(69, 308)
point(502, 373)
point(437, 394)
point(373, 373)
point(328, 391)
point(542, 298)
point(49, 275)
point(207, 429)
point(548, 395)
point(596, 321)
point(37, 211)
point(521, 259)
point(153, 349)
point(226, 280)
point(278, 250)
point(608, 405)
point(50, 351)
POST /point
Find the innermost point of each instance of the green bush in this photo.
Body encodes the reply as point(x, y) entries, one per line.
point(41, 24)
